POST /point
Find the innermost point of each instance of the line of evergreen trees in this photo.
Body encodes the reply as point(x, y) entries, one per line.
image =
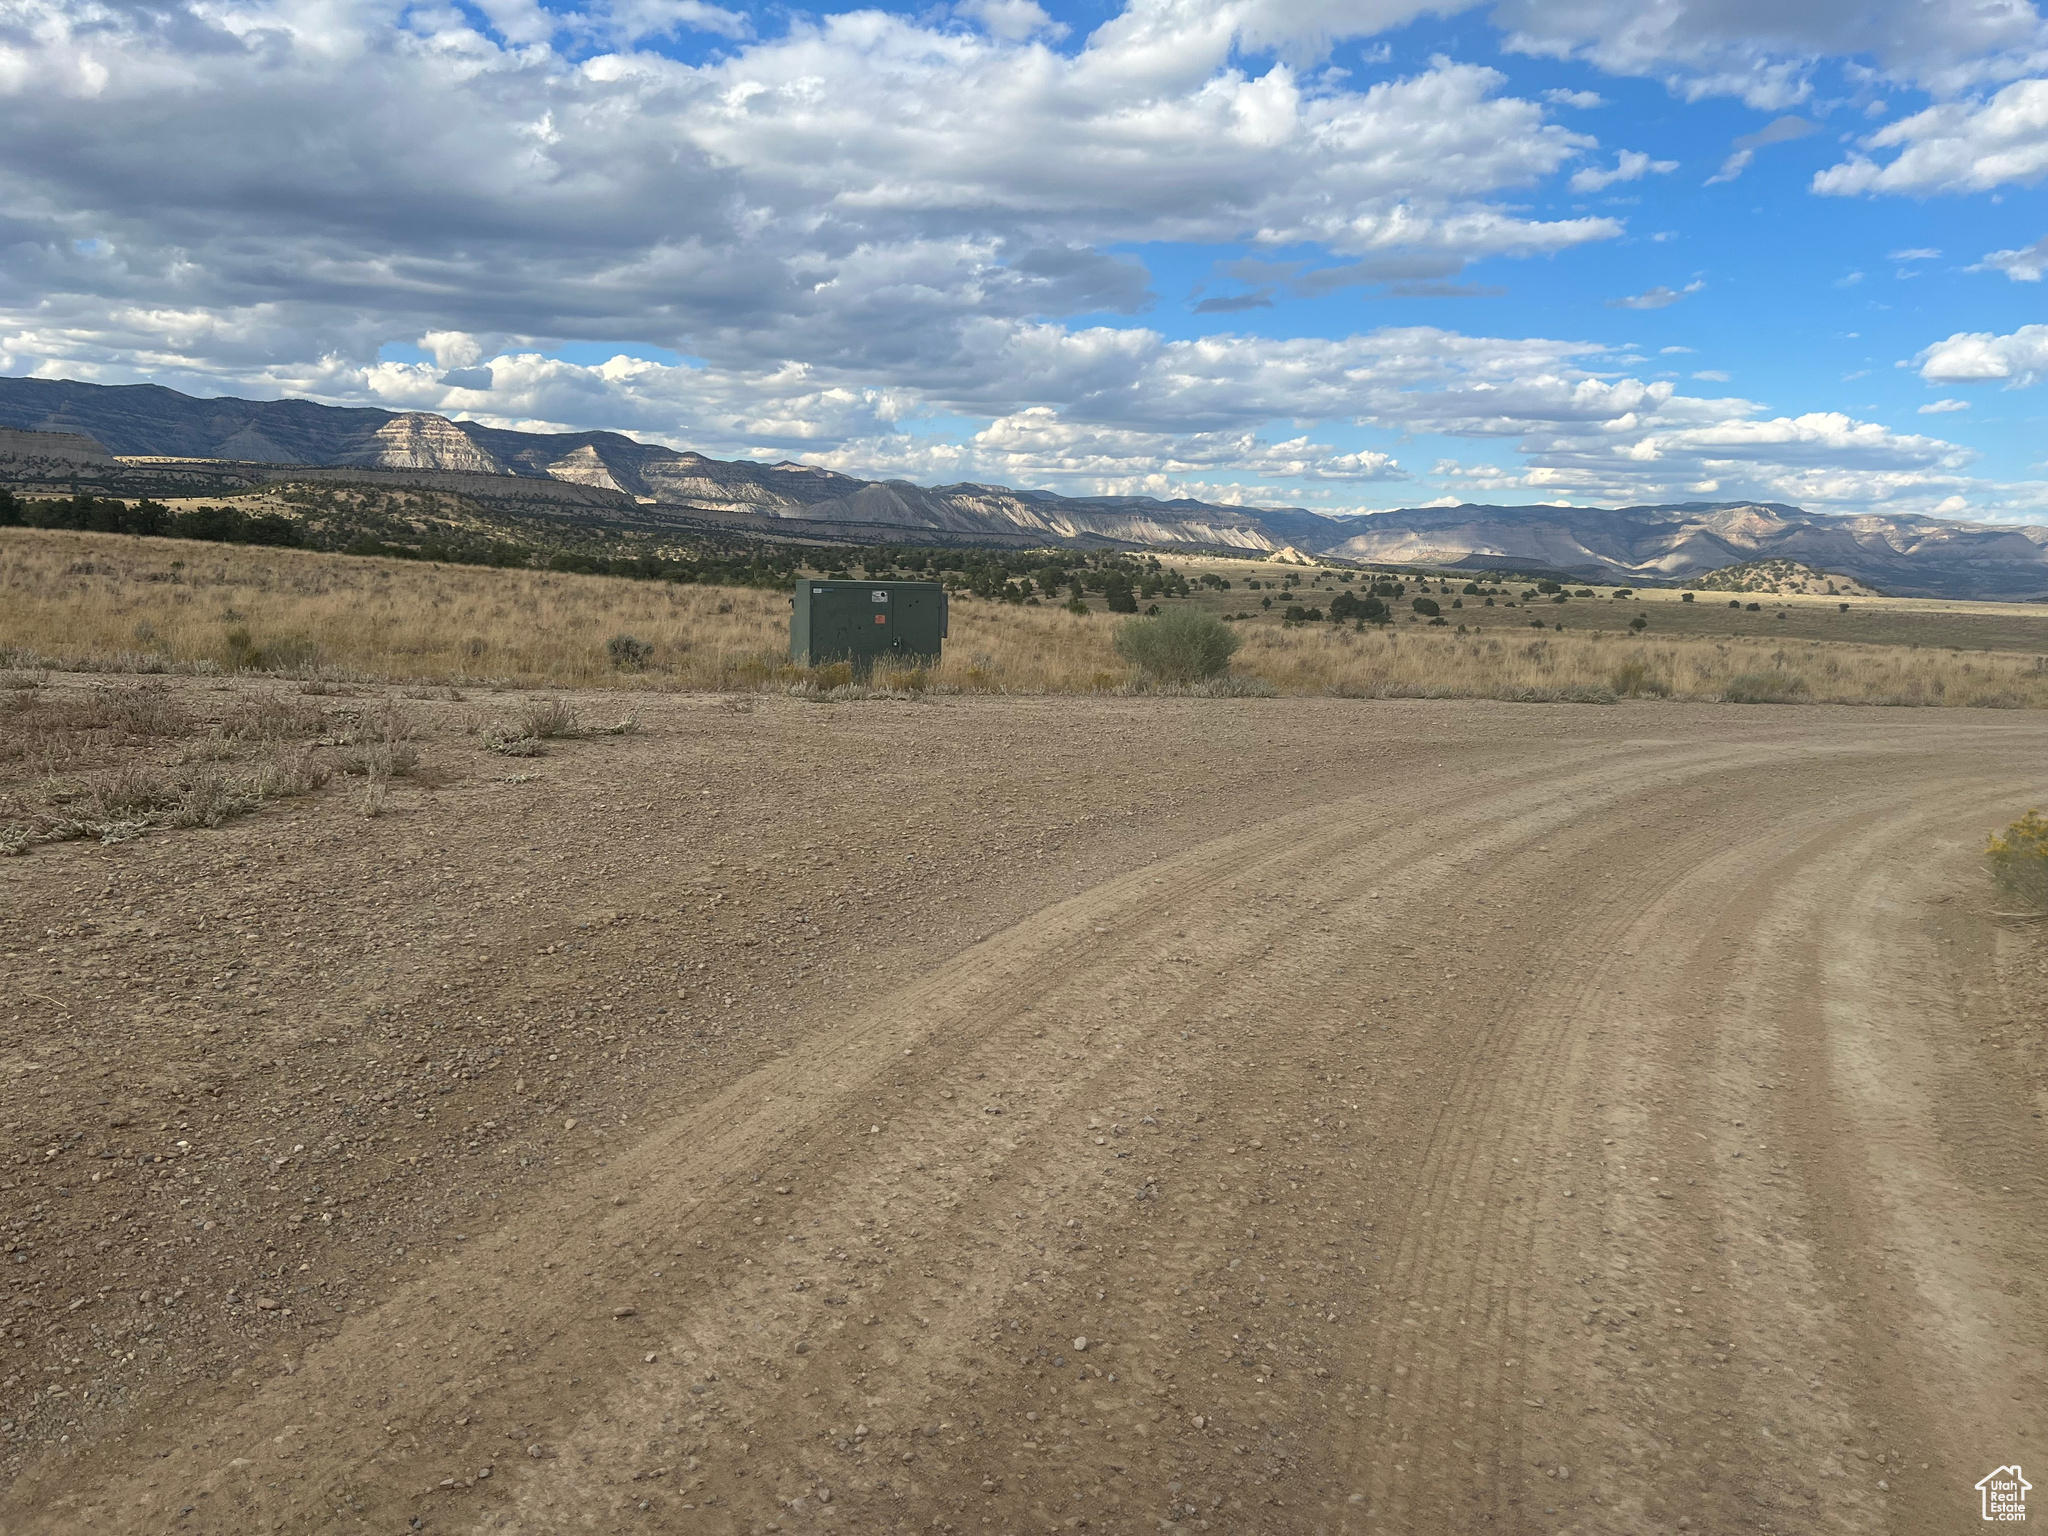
point(1006, 575)
point(86, 513)
point(108, 514)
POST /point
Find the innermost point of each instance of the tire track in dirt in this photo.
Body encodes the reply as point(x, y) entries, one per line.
point(1778, 1406)
point(1263, 1289)
point(1249, 856)
point(1330, 834)
point(732, 1133)
point(1476, 1209)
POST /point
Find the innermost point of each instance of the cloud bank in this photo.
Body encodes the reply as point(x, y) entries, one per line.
point(862, 239)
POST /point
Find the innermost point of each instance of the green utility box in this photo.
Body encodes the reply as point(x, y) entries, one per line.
point(858, 621)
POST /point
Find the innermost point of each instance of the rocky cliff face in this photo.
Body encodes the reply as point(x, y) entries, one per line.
point(1906, 555)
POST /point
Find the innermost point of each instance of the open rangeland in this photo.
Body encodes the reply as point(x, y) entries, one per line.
point(1009, 1114)
point(103, 600)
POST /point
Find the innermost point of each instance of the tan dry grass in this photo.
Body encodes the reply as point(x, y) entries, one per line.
point(1418, 661)
point(404, 621)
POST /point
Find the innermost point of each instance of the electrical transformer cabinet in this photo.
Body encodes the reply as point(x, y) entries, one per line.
point(858, 621)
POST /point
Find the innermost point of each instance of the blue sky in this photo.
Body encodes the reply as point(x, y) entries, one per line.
point(1346, 256)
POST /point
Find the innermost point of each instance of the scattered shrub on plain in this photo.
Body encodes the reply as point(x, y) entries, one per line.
point(1633, 679)
point(288, 653)
point(1774, 687)
point(1183, 646)
point(2018, 858)
point(131, 791)
point(145, 711)
point(272, 717)
point(549, 719)
point(628, 654)
point(380, 759)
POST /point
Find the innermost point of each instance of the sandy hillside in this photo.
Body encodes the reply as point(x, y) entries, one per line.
point(993, 1115)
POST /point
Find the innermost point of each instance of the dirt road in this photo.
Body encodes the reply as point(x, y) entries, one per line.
point(1124, 1115)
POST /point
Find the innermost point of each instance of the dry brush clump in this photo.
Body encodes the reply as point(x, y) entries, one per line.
point(125, 801)
point(377, 742)
point(2018, 857)
point(110, 761)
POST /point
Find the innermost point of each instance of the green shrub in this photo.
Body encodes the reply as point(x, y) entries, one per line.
point(2019, 861)
point(1765, 688)
point(290, 653)
point(628, 654)
point(244, 654)
point(1426, 606)
point(1183, 646)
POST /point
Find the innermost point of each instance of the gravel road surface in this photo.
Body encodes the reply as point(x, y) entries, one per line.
point(984, 1115)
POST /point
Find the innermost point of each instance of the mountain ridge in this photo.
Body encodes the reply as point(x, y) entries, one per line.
point(1907, 554)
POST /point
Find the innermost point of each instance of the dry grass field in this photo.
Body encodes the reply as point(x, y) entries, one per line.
point(103, 602)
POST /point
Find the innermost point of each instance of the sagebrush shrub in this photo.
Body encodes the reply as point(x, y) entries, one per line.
point(627, 653)
point(1764, 688)
point(132, 789)
point(1633, 678)
point(1183, 646)
point(272, 717)
point(2019, 861)
point(549, 719)
point(149, 710)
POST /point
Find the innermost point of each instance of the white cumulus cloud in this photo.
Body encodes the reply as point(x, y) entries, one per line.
point(2020, 359)
point(195, 193)
point(1954, 146)
point(2024, 265)
point(1766, 55)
